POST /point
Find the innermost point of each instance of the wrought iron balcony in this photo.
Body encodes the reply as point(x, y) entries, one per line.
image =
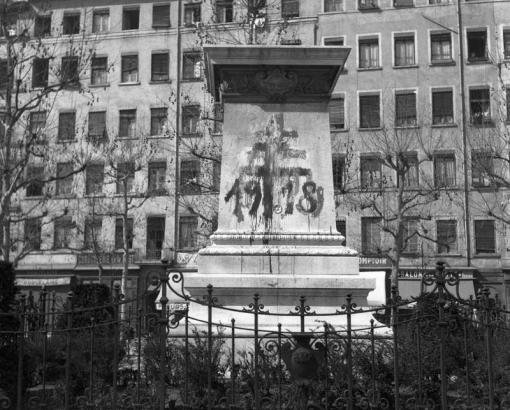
point(105, 258)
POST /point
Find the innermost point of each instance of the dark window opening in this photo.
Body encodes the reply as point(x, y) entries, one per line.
point(130, 19)
point(446, 236)
point(224, 11)
point(369, 111)
point(159, 71)
point(119, 233)
point(71, 23)
point(161, 15)
point(485, 236)
point(40, 72)
point(155, 236)
point(190, 177)
point(188, 226)
point(157, 178)
point(42, 26)
point(442, 107)
point(477, 45)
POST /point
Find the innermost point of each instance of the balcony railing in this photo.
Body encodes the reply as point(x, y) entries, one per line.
point(158, 254)
point(105, 258)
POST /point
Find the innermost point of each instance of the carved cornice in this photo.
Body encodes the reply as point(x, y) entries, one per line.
point(275, 83)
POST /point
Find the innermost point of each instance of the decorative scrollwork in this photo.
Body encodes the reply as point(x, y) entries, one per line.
point(255, 306)
point(177, 281)
point(420, 401)
point(5, 402)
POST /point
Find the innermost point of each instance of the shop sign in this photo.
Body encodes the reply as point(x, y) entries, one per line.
point(416, 274)
point(27, 282)
point(374, 261)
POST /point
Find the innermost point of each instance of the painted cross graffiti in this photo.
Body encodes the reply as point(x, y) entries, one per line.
point(274, 177)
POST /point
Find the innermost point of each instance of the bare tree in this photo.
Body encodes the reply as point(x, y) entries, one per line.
point(34, 71)
point(393, 183)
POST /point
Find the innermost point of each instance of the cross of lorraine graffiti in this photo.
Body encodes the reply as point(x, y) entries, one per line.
point(274, 177)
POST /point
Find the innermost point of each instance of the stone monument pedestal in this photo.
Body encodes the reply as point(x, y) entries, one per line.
point(277, 233)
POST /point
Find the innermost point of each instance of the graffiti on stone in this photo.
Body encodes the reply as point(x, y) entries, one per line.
point(273, 177)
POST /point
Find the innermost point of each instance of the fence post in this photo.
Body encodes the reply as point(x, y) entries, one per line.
point(21, 354)
point(372, 360)
point(256, 307)
point(186, 355)
point(441, 301)
point(326, 371)
point(233, 363)
point(43, 404)
point(137, 404)
point(69, 325)
point(349, 353)
point(90, 403)
point(394, 320)
point(116, 335)
point(162, 339)
point(468, 369)
point(488, 342)
point(42, 307)
point(209, 345)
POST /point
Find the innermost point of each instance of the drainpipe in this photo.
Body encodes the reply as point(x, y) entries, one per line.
point(315, 32)
point(464, 135)
point(177, 130)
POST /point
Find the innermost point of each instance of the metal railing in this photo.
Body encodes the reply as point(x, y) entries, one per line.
point(443, 352)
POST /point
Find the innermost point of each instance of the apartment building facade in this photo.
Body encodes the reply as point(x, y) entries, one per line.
point(406, 76)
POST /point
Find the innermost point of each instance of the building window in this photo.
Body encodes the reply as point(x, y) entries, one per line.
point(63, 233)
point(218, 118)
point(119, 233)
point(446, 236)
point(130, 18)
point(158, 121)
point(367, 4)
point(405, 109)
point(94, 177)
point(192, 66)
point(4, 75)
point(192, 14)
point(99, 71)
point(190, 177)
point(336, 113)
point(409, 167)
point(161, 15)
point(101, 21)
point(216, 176)
point(477, 45)
point(40, 71)
point(334, 41)
point(35, 184)
point(42, 26)
point(506, 44)
point(188, 226)
point(159, 70)
point(64, 178)
point(485, 236)
point(224, 11)
point(444, 170)
point(71, 23)
point(97, 126)
point(190, 119)
point(369, 116)
point(480, 106)
point(369, 53)
point(127, 124)
point(66, 126)
point(482, 169)
point(341, 228)
point(290, 8)
point(403, 3)
point(125, 177)
point(155, 236)
point(404, 51)
point(37, 123)
point(157, 178)
point(70, 71)
point(33, 230)
point(410, 240)
point(442, 107)
point(92, 233)
point(333, 5)
point(441, 48)
point(508, 104)
point(370, 172)
point(370, 236)
point(338, 172)
point(129, 69)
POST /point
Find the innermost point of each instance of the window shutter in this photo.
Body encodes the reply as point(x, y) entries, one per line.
point(161, 16)
point(336, 113)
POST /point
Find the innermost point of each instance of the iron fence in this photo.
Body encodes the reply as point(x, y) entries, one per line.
point(439, 352)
